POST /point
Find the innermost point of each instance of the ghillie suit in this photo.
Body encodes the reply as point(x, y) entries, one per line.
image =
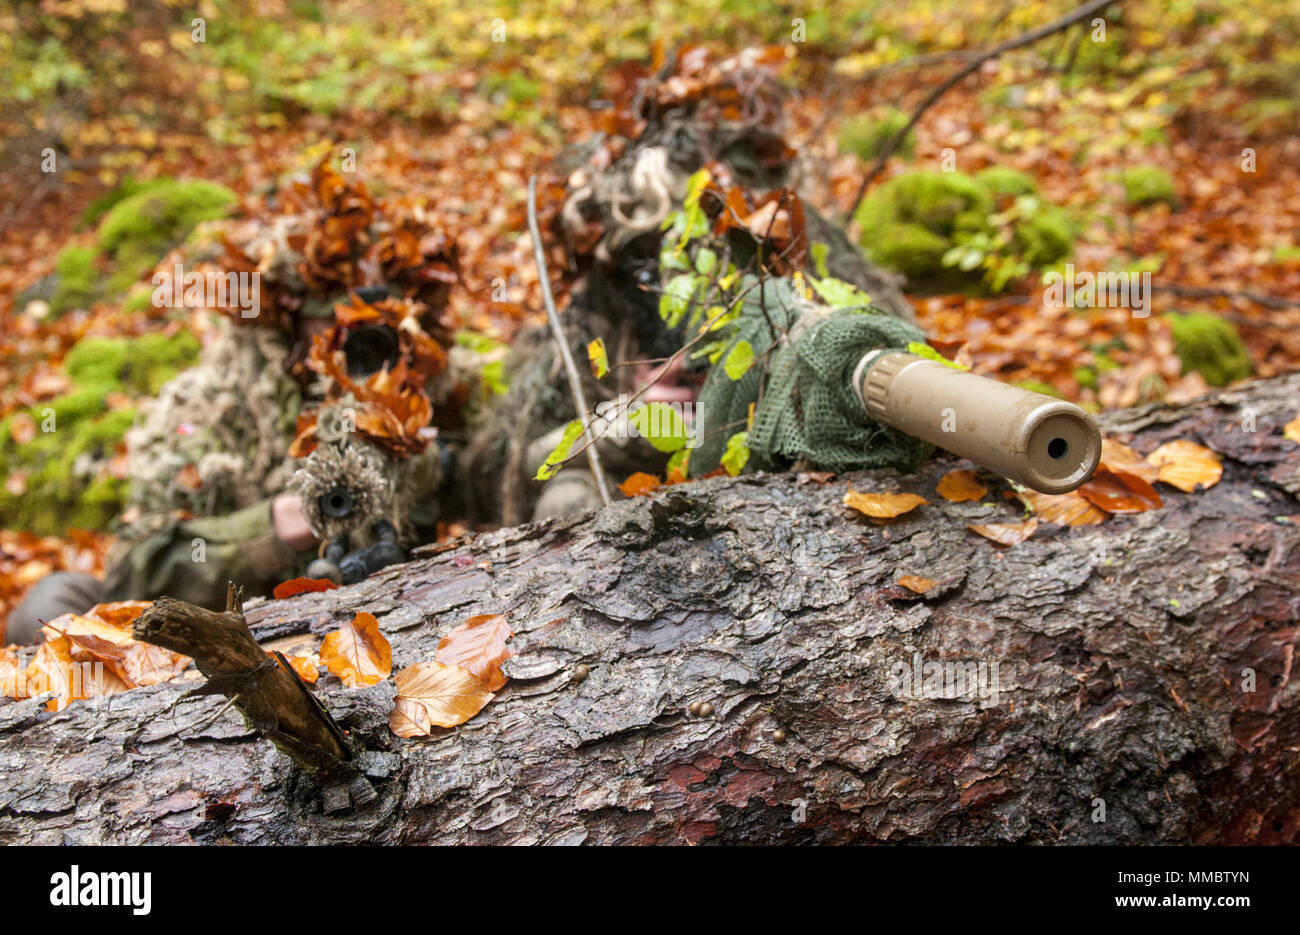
point(372, 461)
point(226, 437)
point(694, 113)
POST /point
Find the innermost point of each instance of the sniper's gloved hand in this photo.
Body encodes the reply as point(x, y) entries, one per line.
point(343, 567)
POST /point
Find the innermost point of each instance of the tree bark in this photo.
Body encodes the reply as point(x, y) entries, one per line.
point(1119, 654)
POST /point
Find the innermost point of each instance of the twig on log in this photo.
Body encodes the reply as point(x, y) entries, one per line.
point(557, 329)
point(265, 688)
point(969, 68)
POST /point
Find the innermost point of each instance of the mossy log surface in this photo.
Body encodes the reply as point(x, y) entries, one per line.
point(1120, 648)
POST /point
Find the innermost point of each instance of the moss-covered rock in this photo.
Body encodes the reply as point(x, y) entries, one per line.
point(76, 279)
point(1148, 185)
point(1210, 346)
point(911, 249)
point(141, 228)
point(865, 137)
point(912, 222)
point(1045, 237)
point(141, 222)
point(1006, 181)
point(65, 465)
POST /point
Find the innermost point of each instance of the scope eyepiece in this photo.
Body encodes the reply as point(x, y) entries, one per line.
point(336, 503)
point(369, 349)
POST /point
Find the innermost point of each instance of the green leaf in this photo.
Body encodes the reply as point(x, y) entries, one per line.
point(661, 425)
point(739, 359)
point(736, 456)
point(839, 294)
point(705, 261)
point(551, 466)
point(598, 358)
point(676, 299)
point(679, 462)
point(929, 353)
point(820, 252)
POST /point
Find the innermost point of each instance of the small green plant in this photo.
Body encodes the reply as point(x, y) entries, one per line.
point(1210, 346)
point(64, 464)
point(1148, 185)
point(951, 230)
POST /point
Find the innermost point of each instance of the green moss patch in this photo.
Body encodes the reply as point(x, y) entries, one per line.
point(141, 222)
point(949, 230)
point(65, 463)
point(1149, 185)
point(1210, 346)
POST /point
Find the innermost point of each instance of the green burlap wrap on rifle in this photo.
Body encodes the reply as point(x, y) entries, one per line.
point(807, 407)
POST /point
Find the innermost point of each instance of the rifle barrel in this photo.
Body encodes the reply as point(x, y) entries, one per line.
point(1036, 440)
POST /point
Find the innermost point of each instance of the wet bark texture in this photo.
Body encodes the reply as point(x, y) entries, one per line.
point(1120, 653)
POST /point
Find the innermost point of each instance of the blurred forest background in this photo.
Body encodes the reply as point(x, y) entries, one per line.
point(1172, 147)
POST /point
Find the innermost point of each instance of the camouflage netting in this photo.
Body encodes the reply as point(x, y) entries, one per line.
point(806, 407)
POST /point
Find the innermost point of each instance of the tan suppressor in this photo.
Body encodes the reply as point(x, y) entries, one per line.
point(1036, 440)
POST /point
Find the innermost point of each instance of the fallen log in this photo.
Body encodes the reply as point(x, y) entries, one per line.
point(755, 673)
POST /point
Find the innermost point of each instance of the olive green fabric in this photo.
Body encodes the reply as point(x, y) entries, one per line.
point(806, 406)
point(192, 560)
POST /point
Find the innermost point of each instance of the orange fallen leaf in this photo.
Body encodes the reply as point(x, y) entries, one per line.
point(307, 667)
point(301, 586)
point(917, 583)
point(1006, 533)
point(430, 693)
point(1120, 492)
point(479, 647)
point(129, 662)
point(120, 614)
point(1292, 430)
point(882, 505)
point(357, 652)
point(1065, 509)
point(639, 484)
point(1185, 464)
point(960, 485)
point(1116, 456)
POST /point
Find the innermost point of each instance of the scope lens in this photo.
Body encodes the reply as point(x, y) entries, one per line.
point(369, 349)
point(336, 504)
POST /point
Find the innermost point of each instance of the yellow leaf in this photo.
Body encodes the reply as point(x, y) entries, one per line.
point(961, 485)
point(882, 505)
point(1121, 458)
point(1292, 430)
point(358, 653)
point(1006, 533)
point(430, 693)
point(479, 647)
point(917, 583)
point(1185, 464)
point(598, 358)
point(1064, 509)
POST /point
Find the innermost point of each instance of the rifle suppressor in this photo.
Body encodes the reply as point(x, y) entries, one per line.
point(1036, 440)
